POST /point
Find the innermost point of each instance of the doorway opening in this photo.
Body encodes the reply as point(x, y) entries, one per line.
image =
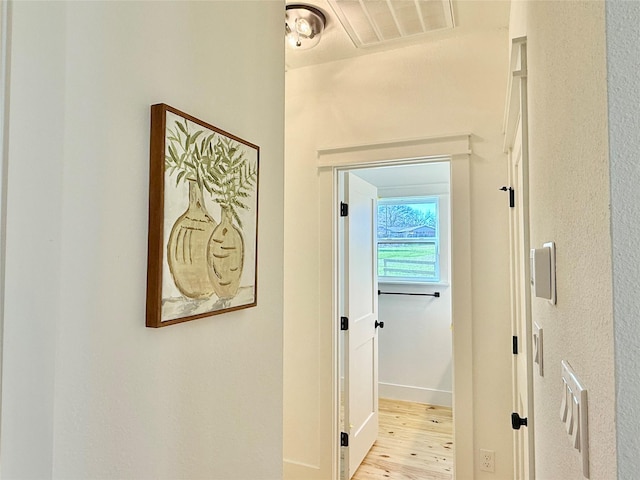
point(395, 305)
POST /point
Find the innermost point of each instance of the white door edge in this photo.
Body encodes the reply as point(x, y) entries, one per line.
point(516, 120)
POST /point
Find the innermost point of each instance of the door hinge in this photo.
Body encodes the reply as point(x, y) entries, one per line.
point(344, 209)
point(344, 439)
point(344, 323)
point(517, 422)
point(514, 341)
point(512, 195)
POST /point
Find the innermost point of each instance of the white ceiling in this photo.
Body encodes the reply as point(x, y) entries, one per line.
point(372, 22)
point(402, 176)
point(335, 44)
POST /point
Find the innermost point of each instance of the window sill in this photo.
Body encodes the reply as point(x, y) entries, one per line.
point(415, 284)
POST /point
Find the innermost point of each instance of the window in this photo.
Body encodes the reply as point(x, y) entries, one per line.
point(408, 240)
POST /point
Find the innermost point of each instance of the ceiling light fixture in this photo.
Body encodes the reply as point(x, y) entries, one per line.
point(303, 26)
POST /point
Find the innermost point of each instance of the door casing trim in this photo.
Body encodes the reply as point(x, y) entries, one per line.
point(460, 278)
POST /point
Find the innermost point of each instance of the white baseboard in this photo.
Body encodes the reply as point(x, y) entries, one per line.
point(415, 394)
point(293, 470)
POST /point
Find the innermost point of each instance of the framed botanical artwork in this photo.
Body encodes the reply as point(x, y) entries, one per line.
point(203, 220)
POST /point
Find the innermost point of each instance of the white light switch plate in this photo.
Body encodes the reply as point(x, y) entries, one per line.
point(552, 254)
point(538, 358)
point(574, 413)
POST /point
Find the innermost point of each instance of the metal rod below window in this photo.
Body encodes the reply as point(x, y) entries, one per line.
point(434, 294)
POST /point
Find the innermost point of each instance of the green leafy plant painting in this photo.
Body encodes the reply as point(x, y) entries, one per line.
point(216, 163)
point(209, 232)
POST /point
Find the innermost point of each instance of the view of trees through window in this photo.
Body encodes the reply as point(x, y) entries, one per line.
point(408, 239)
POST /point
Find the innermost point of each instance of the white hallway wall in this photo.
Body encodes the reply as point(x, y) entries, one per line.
point(415, 361)
point(569, 190)
point(623, 63)
point(449, 86)
point(88, 391)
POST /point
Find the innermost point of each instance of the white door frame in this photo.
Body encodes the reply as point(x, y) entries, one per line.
point(455, 149)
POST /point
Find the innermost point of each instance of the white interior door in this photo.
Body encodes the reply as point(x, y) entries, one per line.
point(521, 312)
point(517, 145)
point(361, 308)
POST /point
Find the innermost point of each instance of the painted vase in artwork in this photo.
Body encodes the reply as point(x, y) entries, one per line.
point(226, 257)
point(187, 247)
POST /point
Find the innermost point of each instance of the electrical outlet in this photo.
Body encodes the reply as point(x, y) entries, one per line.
point(487, 460)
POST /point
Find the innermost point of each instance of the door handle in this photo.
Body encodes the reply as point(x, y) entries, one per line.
point(379, 324)
point(517, 421)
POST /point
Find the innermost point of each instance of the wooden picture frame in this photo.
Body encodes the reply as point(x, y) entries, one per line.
point(203, 220)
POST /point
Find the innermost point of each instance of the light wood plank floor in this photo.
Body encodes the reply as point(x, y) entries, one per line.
point(415, 442)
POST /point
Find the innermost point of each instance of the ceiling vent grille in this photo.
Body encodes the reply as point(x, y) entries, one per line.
point(374, 22)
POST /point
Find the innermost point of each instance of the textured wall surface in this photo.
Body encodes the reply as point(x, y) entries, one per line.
point(88, 391)
point(449, 86)
point(623, 61)
point(569, 204)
